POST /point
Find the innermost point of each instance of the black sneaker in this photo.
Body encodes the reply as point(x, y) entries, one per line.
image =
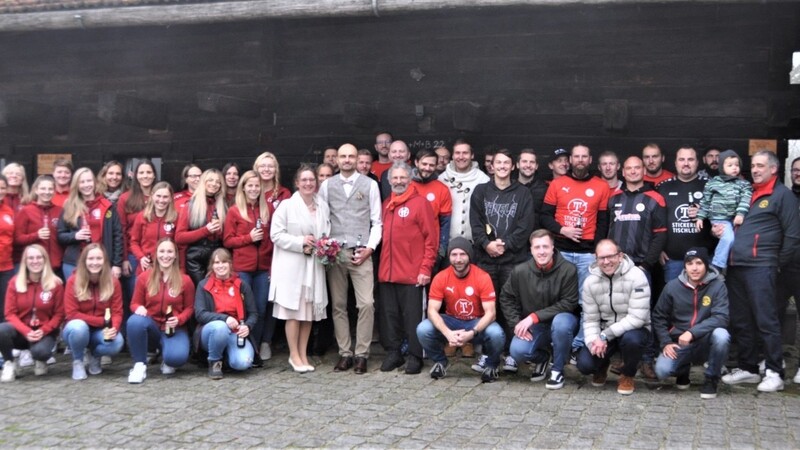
point(489, 375)
point(682, 382)
point(215, 370)
point(709, 389)
point(556, 380)
point(392, 361)
point(539, 370)
point(438, 370)
point(414, 365)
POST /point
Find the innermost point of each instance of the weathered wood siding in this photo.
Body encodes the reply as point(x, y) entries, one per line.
point(613, 76)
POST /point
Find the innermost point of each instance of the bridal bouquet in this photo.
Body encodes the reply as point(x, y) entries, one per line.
point(328, 251)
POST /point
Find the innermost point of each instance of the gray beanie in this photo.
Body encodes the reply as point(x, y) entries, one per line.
point(728, 154)
point(460, 243)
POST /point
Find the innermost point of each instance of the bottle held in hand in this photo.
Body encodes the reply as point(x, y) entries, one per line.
point(107, 326)
point(168, 330)
point(239, 339)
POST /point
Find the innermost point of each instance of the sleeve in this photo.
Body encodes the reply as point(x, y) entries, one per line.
point(444, 234)
point(662, 316)
point(430, 233)
point(137, 230)
point(704, 207)
point(790, 222)
point(58, 311)
point(279, 232)
point(187, 310)
point(66, 233)
point(517, 241)
point(249, 305)
point(116, 306)
point(11, 309)
point(376, 223)
point(510, 298)
point(591, 309)
point(659, 230)
point(601, 232)
point(548, 213)
point(567, 296)
point(117, 239)
point(204, 305)
point(23, 223)
point(719, 316)
point(436, 292)
point(477, 216)
point(638, 306)
point(185, 236)
point(139, 297)
point(123, 221)
point(746, 190)
point(230, 232)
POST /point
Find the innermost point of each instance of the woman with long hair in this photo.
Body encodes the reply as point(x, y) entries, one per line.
point(34, 311)
point(6, 241)
point(245, 233)
point(157, 221)
point(163, 303)
point(190, 175)
point(89, 218)
point(111, 181)
point(200, 224)
point(17, 191)
point(226, 312)
point(37, 222)
point(298, 286)
point(93, 309)
point(231, 173)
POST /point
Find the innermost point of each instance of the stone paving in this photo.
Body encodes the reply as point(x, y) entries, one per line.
point(274, 407)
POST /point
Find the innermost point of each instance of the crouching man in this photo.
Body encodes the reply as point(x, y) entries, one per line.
point(469, 299)
point(690, 320)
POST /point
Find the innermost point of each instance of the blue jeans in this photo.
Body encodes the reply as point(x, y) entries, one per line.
point(68, 269)
point(631, 345)
point(712, 346)
point(582, 261)
point(724, 245)
point(141, 330)
point(217, 339)
point(672, 269)
point(128, 284)
point(80, 336)
point(559, 332)
point(754, 316)
point(433, 341)
point(259, 283)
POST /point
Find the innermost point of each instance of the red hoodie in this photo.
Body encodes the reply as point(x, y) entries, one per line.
point(247, 255)
point(92, 311)
point(145, 235)
point(30, 220)
point(126, 220)
point(6, 237)
point(182, 302)
point(410, 239)
point(49, 307)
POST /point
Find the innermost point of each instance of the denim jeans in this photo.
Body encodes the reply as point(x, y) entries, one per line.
point(142, 330)
point(217, 339)
point(582, 261)
point(80, 336)
point(433, 341)
point(559, 332)
point(259, 283)
point(128, 284)
point(724, 245)
point(713, 346)
point(68, 269)
point(631, 345)
point(672, 269)
point(754, 316)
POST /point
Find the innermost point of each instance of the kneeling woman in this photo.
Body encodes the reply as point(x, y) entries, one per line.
point(162, 304)
point(34, 312)
point(226, 310)
point(93, 306)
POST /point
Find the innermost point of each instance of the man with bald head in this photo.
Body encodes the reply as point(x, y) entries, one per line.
point(398, 151)
point(355, 205)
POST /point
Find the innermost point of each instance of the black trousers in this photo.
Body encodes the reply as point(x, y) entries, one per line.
point(400, 313)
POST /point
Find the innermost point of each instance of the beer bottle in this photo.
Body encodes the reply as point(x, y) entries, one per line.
point(239, 339)
point(168, 330)
point(107, 325)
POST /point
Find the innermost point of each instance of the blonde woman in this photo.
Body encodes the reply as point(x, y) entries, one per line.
point(89, 292)
point(157, 221)
point(17, 193)
point(89, 217)
point(34, 312)
point(200, 224)
point(37, 222)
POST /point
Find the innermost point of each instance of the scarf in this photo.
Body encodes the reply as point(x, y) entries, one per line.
point(112, 196)
point(309, 288)
point(762, 189)
point(397, 200)
point(452, 176)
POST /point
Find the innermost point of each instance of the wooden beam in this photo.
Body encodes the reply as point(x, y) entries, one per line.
point(234, 11)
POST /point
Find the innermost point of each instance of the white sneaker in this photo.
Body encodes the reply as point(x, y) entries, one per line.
point(95, 365)
point(106, 361)
point(9, 372)
point(51, 360)
point(25, 358)
point(796, 379)
point(510, 365)
point(739, 376)
point(762, 366)
point(78, 370)
point(39, 368)
point(480, 365)
point(772, 382)
point(138, 373)
point(265, 351)
point(166, 370)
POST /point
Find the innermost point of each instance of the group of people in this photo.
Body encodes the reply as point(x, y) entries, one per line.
point(530, 270)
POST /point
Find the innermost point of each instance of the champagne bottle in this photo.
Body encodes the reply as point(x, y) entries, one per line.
point(168, 330)
point(490, 232)
point(107, 325)
point(239, 339)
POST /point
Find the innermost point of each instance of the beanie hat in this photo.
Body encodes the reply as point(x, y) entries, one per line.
point(460, 243)
point(697, 252)
point(725, 155)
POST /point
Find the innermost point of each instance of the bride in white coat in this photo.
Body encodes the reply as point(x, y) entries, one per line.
point(298, 279)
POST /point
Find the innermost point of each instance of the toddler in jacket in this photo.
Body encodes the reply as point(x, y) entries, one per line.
point(726, 200)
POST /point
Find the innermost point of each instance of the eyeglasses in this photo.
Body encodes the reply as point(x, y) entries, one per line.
point(193, 176)
point(795, 170)
point(608, 257)
point(383, 142)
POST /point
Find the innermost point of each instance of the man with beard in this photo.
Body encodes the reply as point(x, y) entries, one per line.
point(502, 220)
point(410, 238)
point(608, 165)
point(423, 178)
point(364, 164)
point(442, 159)
point(527, 166)
point(654, 165)
point(710, 163)
point(382, 142)
point(461, 176)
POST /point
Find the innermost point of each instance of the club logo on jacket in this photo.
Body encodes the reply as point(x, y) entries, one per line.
point(403, 212)
point(8, 219)
point(45, 296)
point(590, 193)
point(168, 227)
point(174, 294)
point(230, 291)
point(706, 300)
point(430, 197)
point(96, 213)
point(763, 204)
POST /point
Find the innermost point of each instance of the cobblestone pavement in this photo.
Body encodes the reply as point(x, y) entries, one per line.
point(274, 407)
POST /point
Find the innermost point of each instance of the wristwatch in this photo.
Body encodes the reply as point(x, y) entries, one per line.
point(475, 331)
point(603, 337)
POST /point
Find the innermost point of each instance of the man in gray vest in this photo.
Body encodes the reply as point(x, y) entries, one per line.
point(355, 206)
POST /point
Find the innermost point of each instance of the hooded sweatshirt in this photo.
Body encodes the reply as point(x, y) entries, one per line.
point(509, 214)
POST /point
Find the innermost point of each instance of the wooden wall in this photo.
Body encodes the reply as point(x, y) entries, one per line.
point(614, 76)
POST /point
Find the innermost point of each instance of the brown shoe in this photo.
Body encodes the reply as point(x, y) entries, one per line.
point(344, 364)
point(449, 351)
point(616, 366)
point(600, 377)
point(468, 351)
point(647, 371)
point(361, 365)
point(625, 385)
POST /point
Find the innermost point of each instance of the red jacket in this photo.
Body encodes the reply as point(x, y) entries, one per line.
point(182, 199)
point(49, 307)
point(182, 302)
point(60, 197)
point(410, 240)
point(6, 237)
point(30, 220)
point(92, 311)
point(145, 235)
point(247, 255)
point(127, 219)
